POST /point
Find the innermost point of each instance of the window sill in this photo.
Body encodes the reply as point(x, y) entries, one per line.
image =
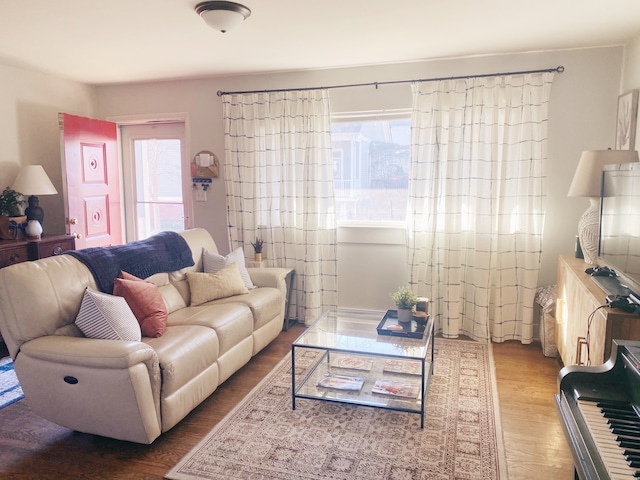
point(382, 234)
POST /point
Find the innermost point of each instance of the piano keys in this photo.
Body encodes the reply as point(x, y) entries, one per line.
point(617, 441)
point(599, 408)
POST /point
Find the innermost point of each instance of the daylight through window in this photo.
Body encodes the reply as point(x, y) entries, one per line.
point(371, 168)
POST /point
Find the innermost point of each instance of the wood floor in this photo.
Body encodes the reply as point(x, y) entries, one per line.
point(32, 448)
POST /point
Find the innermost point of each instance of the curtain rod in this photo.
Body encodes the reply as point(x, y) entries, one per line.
point(558, 69)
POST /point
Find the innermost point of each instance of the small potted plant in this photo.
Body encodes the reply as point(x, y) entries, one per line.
point(10, 213)
point(405, 300)
point(257, 248)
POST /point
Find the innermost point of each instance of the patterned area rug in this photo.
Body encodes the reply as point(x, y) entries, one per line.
point(263, 438)
point(10, 391)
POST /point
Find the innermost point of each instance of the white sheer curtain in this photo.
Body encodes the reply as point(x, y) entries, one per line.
point(279, 180)
point(476, 197)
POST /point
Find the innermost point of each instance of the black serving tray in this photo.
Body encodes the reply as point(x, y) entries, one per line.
point(409, 329)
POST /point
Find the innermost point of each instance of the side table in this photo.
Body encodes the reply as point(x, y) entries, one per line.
point(289, 285)
point(289, 282)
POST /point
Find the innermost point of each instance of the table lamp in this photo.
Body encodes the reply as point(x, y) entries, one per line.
point(32, 180)
point(587, 182)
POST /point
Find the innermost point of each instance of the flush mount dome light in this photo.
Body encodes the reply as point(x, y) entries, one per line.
point(222, 16)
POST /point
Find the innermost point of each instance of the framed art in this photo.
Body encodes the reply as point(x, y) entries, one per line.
point(626, 121)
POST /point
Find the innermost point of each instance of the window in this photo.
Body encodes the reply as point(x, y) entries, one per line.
point(153, 179)
point(158, 186)
point(371, 167)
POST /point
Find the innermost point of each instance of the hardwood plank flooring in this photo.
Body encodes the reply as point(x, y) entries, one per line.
point(33, 448)
point(535, 445)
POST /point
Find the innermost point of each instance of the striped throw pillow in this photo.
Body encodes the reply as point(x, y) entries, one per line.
point(107, 317)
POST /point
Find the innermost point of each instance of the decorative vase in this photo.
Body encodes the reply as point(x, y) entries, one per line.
point(589, 231)
point(422, 305)
point(405, 315)
point(420, 317)
point(258, 257)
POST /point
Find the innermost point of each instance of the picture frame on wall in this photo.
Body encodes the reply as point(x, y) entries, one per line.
point(627, 120)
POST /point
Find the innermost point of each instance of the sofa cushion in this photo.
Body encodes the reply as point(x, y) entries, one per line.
point(107, 317)
point(213, 262)
point(232, 322)
point(265, 304)
point(145, 301)
point(173, 299)
point(209, 286)
point(184, 352)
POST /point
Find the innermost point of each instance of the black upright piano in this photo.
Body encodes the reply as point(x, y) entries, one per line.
point(599, 408)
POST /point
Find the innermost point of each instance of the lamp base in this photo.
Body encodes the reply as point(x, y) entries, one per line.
point(34, 211)
point(589, 231)
point(33, 230)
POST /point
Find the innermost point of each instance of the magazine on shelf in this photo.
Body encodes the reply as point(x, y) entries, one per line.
point(402, 366)
point(353, 362)
point(396, 388)
point(341, 382)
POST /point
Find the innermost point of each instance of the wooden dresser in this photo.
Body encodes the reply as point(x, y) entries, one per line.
point(582, 335)
point(17, 251)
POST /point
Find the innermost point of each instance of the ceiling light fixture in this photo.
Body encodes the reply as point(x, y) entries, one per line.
point(222, 16)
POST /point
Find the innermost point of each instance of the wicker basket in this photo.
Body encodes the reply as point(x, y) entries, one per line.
point(8, 230)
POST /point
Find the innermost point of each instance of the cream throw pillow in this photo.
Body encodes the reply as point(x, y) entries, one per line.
point(210, 286)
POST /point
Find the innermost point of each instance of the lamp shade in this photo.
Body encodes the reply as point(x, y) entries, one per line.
point(222, 16)
point(587, 180)
point(33, 180)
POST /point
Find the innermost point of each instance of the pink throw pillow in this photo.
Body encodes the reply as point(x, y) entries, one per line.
point(145, 302)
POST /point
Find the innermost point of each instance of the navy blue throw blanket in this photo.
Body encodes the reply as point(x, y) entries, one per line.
point(163, 252)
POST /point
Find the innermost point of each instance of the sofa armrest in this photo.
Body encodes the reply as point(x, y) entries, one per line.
point(91, 353)
point(103, 387)
point(269, 276)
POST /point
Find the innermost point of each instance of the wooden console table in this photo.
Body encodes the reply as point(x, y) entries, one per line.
point(578, 339)
point(17, 251)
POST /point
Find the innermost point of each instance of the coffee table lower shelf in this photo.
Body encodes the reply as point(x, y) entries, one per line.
point(325, 365)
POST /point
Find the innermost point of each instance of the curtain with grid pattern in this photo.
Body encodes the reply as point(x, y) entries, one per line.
point(278, 172)
point(476, 195)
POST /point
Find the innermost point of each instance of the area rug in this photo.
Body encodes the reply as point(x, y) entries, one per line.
point(263, 438)
point(10, 391)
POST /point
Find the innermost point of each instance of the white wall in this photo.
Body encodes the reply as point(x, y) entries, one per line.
point(29, 134)
point(582, 117)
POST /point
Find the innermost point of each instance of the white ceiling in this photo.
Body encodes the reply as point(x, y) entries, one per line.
point(116, 41)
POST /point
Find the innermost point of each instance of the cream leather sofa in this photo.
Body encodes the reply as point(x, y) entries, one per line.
point(130, 390)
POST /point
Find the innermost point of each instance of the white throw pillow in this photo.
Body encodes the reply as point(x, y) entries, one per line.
point(214, 262)
point(107, 317)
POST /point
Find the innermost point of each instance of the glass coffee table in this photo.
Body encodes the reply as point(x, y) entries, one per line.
point(357, 365)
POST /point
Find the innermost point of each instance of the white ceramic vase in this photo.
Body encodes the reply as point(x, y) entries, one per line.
point(33, 229)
